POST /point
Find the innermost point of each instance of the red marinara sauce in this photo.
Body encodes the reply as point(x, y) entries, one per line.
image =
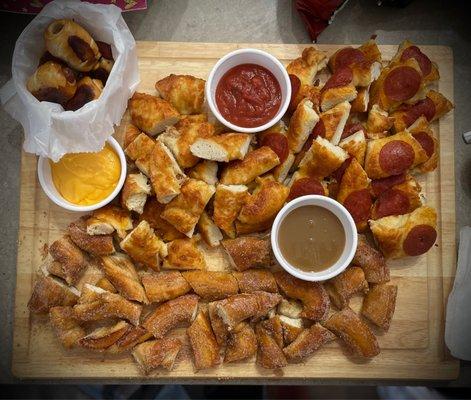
point(248, 95)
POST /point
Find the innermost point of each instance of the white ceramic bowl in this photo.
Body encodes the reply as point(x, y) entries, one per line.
point(349, 227)
point(248, 56)
point(45, 179)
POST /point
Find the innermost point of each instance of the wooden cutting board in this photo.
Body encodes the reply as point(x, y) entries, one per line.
point(412, 349)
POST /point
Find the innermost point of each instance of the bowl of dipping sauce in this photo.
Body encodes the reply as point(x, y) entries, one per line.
point(314, 238)
point(248, 90)
point(84, 181)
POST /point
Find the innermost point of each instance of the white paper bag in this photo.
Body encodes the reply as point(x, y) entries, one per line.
point(49, 130)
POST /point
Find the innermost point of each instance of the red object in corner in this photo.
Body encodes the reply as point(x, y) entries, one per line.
point(317, 14)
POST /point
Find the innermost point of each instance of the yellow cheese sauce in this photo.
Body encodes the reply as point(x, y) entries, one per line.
point(86, 178)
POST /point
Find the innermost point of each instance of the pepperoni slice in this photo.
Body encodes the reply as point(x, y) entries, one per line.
point(380, 185)
point(402, 83)
point(359, 205)
point(419, 240)
point(338, 173)
point(295, 86)
point(319, 130)
point(341, 77)
point(423, 61)
point(278, 143)
point(425, 141)
point(425, 107)
point(347, 57)
point(352, 128)
point(391, 202)
point(305, 186)
point(396, 157)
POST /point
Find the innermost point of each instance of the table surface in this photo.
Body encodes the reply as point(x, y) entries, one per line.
point(269, 21)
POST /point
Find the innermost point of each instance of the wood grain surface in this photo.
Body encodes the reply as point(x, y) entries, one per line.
point(412, 349)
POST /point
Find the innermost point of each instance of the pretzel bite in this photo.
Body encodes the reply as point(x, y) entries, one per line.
point(398, 83)
point(104, 337)
point(307, 342)
point(69, 258)
point(360, 103)
point(222, 148)
point(247, 252)
point(111, 215)
point(157, 353)
point(209, 230)
point(102, 70)
point(400, 199)
point(211, 285)
point(165, 174)
point(88, 89)
point(261, 207)
point(152, 114)
point(119, 269)
point(290, 308)
point(184, 254)
point(131, 132)
point(355, 195)
point(105, 284)
point(52, 82)
point(219, 327)
point(321, 159)
point(228, 202)
point(332, 122)
point(140, 151)
point(433, 107)
point(371, 261)
point(96, 304)
point(302, 122)
point(313, 295)
point(393, 155)
point(184, 211)
point(134, 193)
point(152, 214)
point(339, 87)
point(132, 337)
point(379, 305)
point(49, 292)
point(378, 123)
point(269, 354)
point(342, 287)
point(241, 344)
point(144, 246)
point(408, 50)
point(206, 171)
point(274, 327)
point(67, 40)
point(406, 235)
point(171, 314)
point(97, 245)
point(66, 326)
point(203, 342)
point(184, 92)
point(240, 307)
point(292, 327)
point(180, 137)
point(256, 279)
point(308, 65)
point(165, 285)
point(355, 146)
point(421, 132)
point(356, 334)
point(255, 163)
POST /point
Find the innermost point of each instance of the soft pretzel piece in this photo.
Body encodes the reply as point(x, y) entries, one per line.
point(219, 327)
point(170, 314)
point(378, 123)
point(406, 235)
point(371, 261)
point(206, 171)
point(70, 260)
point(308, 65)
point(134, 193)
point(241, 344)
point(184, 92)
point(313, 295)
point(302, 122)
point(422, 132)
point(254, 280)
point(104, 337)
point(118, 218)
point(332, 123)
point(228, 201)
point(139, 151)
point(184, 254)
point(211, 285)
point(355, 146)
point(144, 246)
point(292, 327)
point(247, 252)
point(269, 354)
point(354, 332)
point(152, 114)
point(66, 326)
point(97, 245)
point(209, 230)
point(345, 285)
point(223, 148)
point(50, 292)
point(132, 337)
point(203, 342)
point(165, 285)
point(152, 214)
point(157, 353)
point(379, 305)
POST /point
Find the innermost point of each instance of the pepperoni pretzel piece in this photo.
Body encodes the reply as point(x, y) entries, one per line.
point(347, 57)
point(402, 83)
point(396, 157)
point(424, 62)
point(306, 186)
point(426, 141)
point(342, 77)
point(391, 202)
point(419, 240)
point(278, 143)
point(378, 186)
point(359, 204)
